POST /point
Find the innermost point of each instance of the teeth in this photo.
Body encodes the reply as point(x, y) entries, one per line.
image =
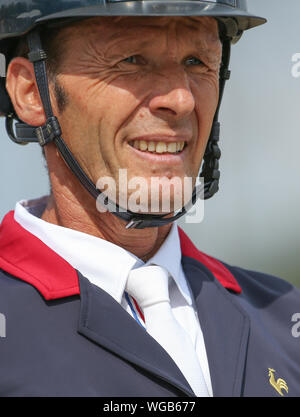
point(172, 147)
point(151, 146)
point(158, 147)
point(143, 145)
point(161, 147)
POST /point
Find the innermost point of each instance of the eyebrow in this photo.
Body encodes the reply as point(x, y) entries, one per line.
point(199, 44)
point(209, 53)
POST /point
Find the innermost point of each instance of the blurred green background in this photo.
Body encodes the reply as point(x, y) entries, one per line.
point(253, 220)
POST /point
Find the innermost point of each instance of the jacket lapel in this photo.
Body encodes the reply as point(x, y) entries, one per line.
point(104, 321)
point(225, 329)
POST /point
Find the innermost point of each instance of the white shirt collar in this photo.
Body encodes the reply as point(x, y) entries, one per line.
point(94, 257)
point(169, 256)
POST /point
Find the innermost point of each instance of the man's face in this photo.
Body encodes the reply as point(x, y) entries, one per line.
point(141, 95)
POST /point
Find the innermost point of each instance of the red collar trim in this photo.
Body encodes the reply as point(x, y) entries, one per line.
point(26, 257)
point(221, 273)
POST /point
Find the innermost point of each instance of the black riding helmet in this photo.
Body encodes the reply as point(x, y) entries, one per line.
point(19, 19)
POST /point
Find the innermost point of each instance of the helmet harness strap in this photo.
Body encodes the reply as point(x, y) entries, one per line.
point(51, 132)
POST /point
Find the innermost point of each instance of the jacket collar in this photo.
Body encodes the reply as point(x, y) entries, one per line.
point(26, 257)
point(219, 271)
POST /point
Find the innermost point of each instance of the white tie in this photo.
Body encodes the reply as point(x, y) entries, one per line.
point(149, 286)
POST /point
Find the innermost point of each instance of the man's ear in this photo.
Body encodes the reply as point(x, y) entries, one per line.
point(22, 88)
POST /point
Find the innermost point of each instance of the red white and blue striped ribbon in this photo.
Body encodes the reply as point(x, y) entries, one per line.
point(136, 311)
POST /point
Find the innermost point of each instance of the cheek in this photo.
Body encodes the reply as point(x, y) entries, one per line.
point(105, 102)
point(79, 123)
point(207, 96)
point(93, 117)
point(206, 93)
point(206, 99)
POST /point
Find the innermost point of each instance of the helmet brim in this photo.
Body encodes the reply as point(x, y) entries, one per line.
point(16, 26)
point(245, 20)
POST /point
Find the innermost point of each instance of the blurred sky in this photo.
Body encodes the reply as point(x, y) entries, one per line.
point(253, 220)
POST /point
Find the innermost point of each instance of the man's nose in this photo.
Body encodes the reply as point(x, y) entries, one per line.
point(172, 97)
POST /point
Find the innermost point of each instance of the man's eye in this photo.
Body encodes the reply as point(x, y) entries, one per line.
point(193, 61)
point(133, 59)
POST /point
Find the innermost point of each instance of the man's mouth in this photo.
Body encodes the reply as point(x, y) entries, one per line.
point(158, 147)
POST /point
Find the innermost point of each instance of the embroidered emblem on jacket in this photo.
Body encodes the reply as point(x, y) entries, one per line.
point(278, 385)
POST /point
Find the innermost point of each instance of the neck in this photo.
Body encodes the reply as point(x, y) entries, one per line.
point(72, 207)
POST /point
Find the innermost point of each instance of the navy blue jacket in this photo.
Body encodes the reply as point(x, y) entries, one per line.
point(63, 336)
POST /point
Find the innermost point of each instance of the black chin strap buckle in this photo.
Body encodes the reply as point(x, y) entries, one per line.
point(37, 55)
point(50, 131)
point(134, 224)
point(210, 171)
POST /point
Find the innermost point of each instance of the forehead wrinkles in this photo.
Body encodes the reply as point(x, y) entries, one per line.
point(110, 28)
point(107, 34)
point(183, 27)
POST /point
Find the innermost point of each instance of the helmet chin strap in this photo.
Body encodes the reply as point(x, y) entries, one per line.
point(51, 132)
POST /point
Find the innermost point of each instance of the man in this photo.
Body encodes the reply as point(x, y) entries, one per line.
point(120, 302)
